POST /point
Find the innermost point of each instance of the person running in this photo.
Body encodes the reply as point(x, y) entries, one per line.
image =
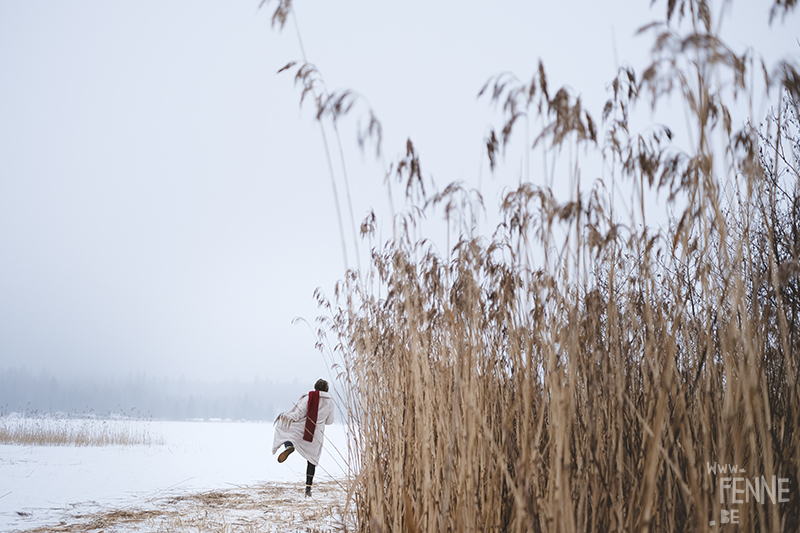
point(303, 428)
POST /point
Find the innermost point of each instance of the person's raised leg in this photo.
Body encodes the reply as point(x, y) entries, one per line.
point(288, 449)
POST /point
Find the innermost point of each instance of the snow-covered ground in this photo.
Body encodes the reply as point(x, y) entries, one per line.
point(198, 462)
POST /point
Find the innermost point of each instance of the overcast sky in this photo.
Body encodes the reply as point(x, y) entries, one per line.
point(165, 205)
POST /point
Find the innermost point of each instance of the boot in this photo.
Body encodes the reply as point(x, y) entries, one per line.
point(285, 453)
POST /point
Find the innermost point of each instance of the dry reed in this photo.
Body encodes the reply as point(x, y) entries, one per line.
point(60, 431)
point(604, 389)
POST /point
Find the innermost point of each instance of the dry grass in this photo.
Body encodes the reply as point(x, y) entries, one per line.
point(577, 372)
point(58, 431)
point(270, 508)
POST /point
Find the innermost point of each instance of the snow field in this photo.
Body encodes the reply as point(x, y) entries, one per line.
point(51, 485)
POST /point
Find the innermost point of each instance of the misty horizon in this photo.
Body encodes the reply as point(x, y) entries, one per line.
point(141, 395)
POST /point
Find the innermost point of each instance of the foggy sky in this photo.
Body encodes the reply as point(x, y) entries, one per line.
point(165, 204)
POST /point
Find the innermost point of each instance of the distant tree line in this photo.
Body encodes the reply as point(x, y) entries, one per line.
point(144, 396)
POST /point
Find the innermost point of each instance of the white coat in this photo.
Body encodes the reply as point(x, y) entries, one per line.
point(291, 426)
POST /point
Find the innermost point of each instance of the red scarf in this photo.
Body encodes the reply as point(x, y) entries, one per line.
point(311, 415)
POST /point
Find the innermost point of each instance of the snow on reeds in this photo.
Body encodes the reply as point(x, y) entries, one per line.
point(50, 430)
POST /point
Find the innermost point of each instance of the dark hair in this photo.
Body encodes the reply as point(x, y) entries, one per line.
point(321, 385)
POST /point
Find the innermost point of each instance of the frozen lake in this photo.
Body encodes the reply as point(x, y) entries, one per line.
point(39, 484)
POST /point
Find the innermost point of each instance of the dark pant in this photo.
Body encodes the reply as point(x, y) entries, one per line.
point(310, 469)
